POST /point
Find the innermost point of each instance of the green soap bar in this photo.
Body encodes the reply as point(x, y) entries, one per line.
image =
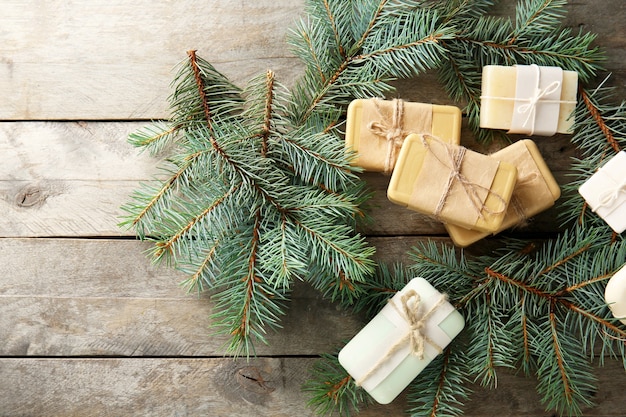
point(375, 339)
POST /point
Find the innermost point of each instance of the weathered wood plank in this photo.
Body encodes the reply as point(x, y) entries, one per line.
point(66, 297)
point(165, 387)
point(48, 387)
point(80, 297)
point(70, 179)
point(114, 59)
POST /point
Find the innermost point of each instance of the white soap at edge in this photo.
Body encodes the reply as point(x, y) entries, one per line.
point(615, 294)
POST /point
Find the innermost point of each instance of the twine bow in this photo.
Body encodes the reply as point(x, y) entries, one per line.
point(391, 131)
point(535, 98)
point(410, 310)
point(454, 156)
point(610, 196)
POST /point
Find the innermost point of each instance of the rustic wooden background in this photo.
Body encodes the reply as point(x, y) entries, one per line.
point(87, 326)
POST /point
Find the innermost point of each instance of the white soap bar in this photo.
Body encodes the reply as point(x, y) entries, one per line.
point(379, 357)
point(615, 294)
point(605, 192)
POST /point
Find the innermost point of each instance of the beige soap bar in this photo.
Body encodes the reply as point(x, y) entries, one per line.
point(424, 180)
point(536, 190)
point(371, 146)
point(498, 101)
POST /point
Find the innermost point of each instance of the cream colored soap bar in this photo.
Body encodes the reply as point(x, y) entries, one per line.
point(536, 190)
point(605, 192)
point(379, 357)
point(615, 294)
point(501, 100)
point(425, 180)
point(371, 125)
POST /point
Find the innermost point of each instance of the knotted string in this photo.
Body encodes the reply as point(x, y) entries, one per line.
point(409, 310)
point(454, 156)
point(530, 108)
point(516, 202)
point(536, 97)
point(610, 196)
point(390, 130)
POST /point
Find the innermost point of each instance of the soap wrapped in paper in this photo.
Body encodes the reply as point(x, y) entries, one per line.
point(535, 190)
point(375, 129)
point(528, 99)
point(451, 183)
point(605, 192)
point(401, 340)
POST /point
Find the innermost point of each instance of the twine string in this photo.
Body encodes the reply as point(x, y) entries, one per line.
point(391, 131)
point(454, 157)
point(538, 96)
point(410, 311)
point(530, 108)
point(516, 202)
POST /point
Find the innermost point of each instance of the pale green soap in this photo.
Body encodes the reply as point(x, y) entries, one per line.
point(378, 329)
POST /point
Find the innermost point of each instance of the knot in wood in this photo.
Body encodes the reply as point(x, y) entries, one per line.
point(30, 195)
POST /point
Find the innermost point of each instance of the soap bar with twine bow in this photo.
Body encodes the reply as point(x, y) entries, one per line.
point(375, 129)
point(535, 191)
point(452, 184)
point(605, 192)
point(414, 327)
point(528, 99)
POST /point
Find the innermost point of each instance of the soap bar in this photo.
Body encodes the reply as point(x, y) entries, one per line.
point(535, 190)
point(380, 357)
point(475, 196)
point(375, 129)
point(615, 294)
point(605, 192)
point(528, 99)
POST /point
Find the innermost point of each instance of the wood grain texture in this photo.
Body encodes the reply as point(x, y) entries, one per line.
point(70, 179)
point(115, 59)
point(89, 326)
point(78, 297)
point(222, 387)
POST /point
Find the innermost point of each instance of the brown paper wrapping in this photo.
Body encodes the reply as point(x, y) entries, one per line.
point(535, 191)
point(376, 130)
point(474, 196)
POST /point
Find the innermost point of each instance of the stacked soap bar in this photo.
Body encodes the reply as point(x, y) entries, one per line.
point(528, 99)
point(452, 184)
point(605, 192)
point(535, 190)
point(376, 129)
point(382, 357)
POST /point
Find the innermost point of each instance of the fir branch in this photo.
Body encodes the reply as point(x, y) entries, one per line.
point(537, 16)
point(332, 390)
point(442, 388)
point(155, 137)
point(596, 115)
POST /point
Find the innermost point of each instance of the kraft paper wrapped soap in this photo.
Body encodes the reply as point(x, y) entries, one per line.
point(528, 99)
point(401, 340)
point(605, 192)
point(375, 128)
point(452, 183)
point(615, 294)
point(535, 190)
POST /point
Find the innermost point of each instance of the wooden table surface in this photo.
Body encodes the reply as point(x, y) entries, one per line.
point(88, 327)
